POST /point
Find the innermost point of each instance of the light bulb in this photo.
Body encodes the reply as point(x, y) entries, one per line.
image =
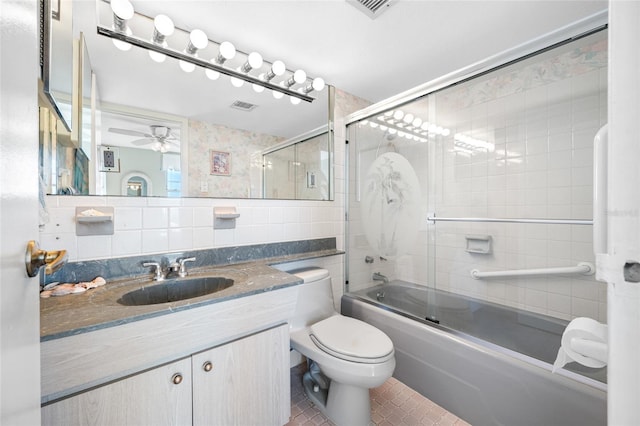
point(197, 40)
point(123, 9)
point(162, 27)
point(317, 84)
point(388, 113)
point(187, 66)
point(425, 126)
point(227, 51)
point(417, 122)
point(373, 124)
point(398, 115)
point(446, 132)
point(254, 60)
point(212, 74)
point(277, 68)
point(408, 118)
point(294, 101)
point(157, 56)
point(298, 77)
point(277, 95)
point(236, 82)
point(157, 145)
point(121, 45)
point(257, 88)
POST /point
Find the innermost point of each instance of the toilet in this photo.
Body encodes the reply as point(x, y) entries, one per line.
point(346, 356)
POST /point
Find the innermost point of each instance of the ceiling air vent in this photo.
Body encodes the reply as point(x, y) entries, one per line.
point(372, 8)
point(243, 106)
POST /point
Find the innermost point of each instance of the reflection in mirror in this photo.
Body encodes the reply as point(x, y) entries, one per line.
point(299, 169)
point(141, 145)
point(57, 57)
point(193, 123)
point(199, 120)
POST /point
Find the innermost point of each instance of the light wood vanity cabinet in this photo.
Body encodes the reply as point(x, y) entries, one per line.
point(248, 383)
point(244, 382)
point(150, 398)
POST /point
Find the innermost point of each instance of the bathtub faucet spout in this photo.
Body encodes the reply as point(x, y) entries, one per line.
point(377, 276)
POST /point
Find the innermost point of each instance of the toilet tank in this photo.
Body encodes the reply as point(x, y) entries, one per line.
point(315, 298)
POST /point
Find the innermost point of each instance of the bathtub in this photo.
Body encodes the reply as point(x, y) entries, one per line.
point(486, 363)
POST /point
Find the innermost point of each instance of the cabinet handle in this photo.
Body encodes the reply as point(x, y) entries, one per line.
point(176, 379)
point(207, 366)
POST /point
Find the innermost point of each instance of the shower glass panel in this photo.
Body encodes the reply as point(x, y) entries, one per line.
point(299, 171)
point(515, 142)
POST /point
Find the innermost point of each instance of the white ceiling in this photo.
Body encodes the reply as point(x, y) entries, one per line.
point(411, 43)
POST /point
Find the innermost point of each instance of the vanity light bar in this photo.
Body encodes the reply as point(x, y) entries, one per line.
point(145, 44)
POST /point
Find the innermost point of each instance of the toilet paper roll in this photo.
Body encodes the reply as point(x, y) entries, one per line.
point(585, 342)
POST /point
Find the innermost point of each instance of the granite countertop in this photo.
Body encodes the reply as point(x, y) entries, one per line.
point(99, 308)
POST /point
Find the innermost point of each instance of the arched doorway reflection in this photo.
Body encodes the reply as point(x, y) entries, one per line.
point(136, 184)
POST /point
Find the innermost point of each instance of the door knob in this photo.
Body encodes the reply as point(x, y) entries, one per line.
point(36, 258)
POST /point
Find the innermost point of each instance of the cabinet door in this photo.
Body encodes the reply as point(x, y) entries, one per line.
point(245, 382)
point(161, 396)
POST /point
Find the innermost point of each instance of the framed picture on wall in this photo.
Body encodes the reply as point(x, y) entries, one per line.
point(220, 163)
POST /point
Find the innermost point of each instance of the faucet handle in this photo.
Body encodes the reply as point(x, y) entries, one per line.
point(183, 266)
point(158, 270)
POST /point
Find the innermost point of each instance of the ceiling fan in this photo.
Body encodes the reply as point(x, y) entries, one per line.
point(161, 136)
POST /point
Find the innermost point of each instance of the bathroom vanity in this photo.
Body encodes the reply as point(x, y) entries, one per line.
point(216, 359)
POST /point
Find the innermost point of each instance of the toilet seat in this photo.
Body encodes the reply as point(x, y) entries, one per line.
point(351, 340)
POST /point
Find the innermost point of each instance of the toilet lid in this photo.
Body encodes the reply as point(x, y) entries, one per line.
point(352, 340)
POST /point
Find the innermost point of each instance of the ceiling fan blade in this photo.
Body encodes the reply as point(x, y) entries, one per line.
point(144, 141)
point(129, 132)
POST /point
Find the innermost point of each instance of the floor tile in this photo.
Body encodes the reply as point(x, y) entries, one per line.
point(392, 404)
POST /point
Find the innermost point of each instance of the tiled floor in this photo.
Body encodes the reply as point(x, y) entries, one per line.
point(392, 404)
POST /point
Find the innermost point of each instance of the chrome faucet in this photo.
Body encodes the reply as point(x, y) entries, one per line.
point(377, 276)
point(159, 274)
point(179, 266)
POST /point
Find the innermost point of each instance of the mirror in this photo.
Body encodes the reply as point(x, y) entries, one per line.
point(184, 135)
point(57, 57)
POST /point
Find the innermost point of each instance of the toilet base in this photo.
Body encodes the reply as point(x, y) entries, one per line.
point(342, 404)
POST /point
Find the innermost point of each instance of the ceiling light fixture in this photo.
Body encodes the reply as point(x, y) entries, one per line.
point(162, 28)
point(197, 40)
point(298, 77)
point(277, 69)
point(241, 67)
point(406, 125)
point(227, 51)
point(317, 84)
point(122, 12)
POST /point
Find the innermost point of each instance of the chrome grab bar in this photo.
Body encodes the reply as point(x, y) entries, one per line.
point(584, 268)
point(506, 220)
